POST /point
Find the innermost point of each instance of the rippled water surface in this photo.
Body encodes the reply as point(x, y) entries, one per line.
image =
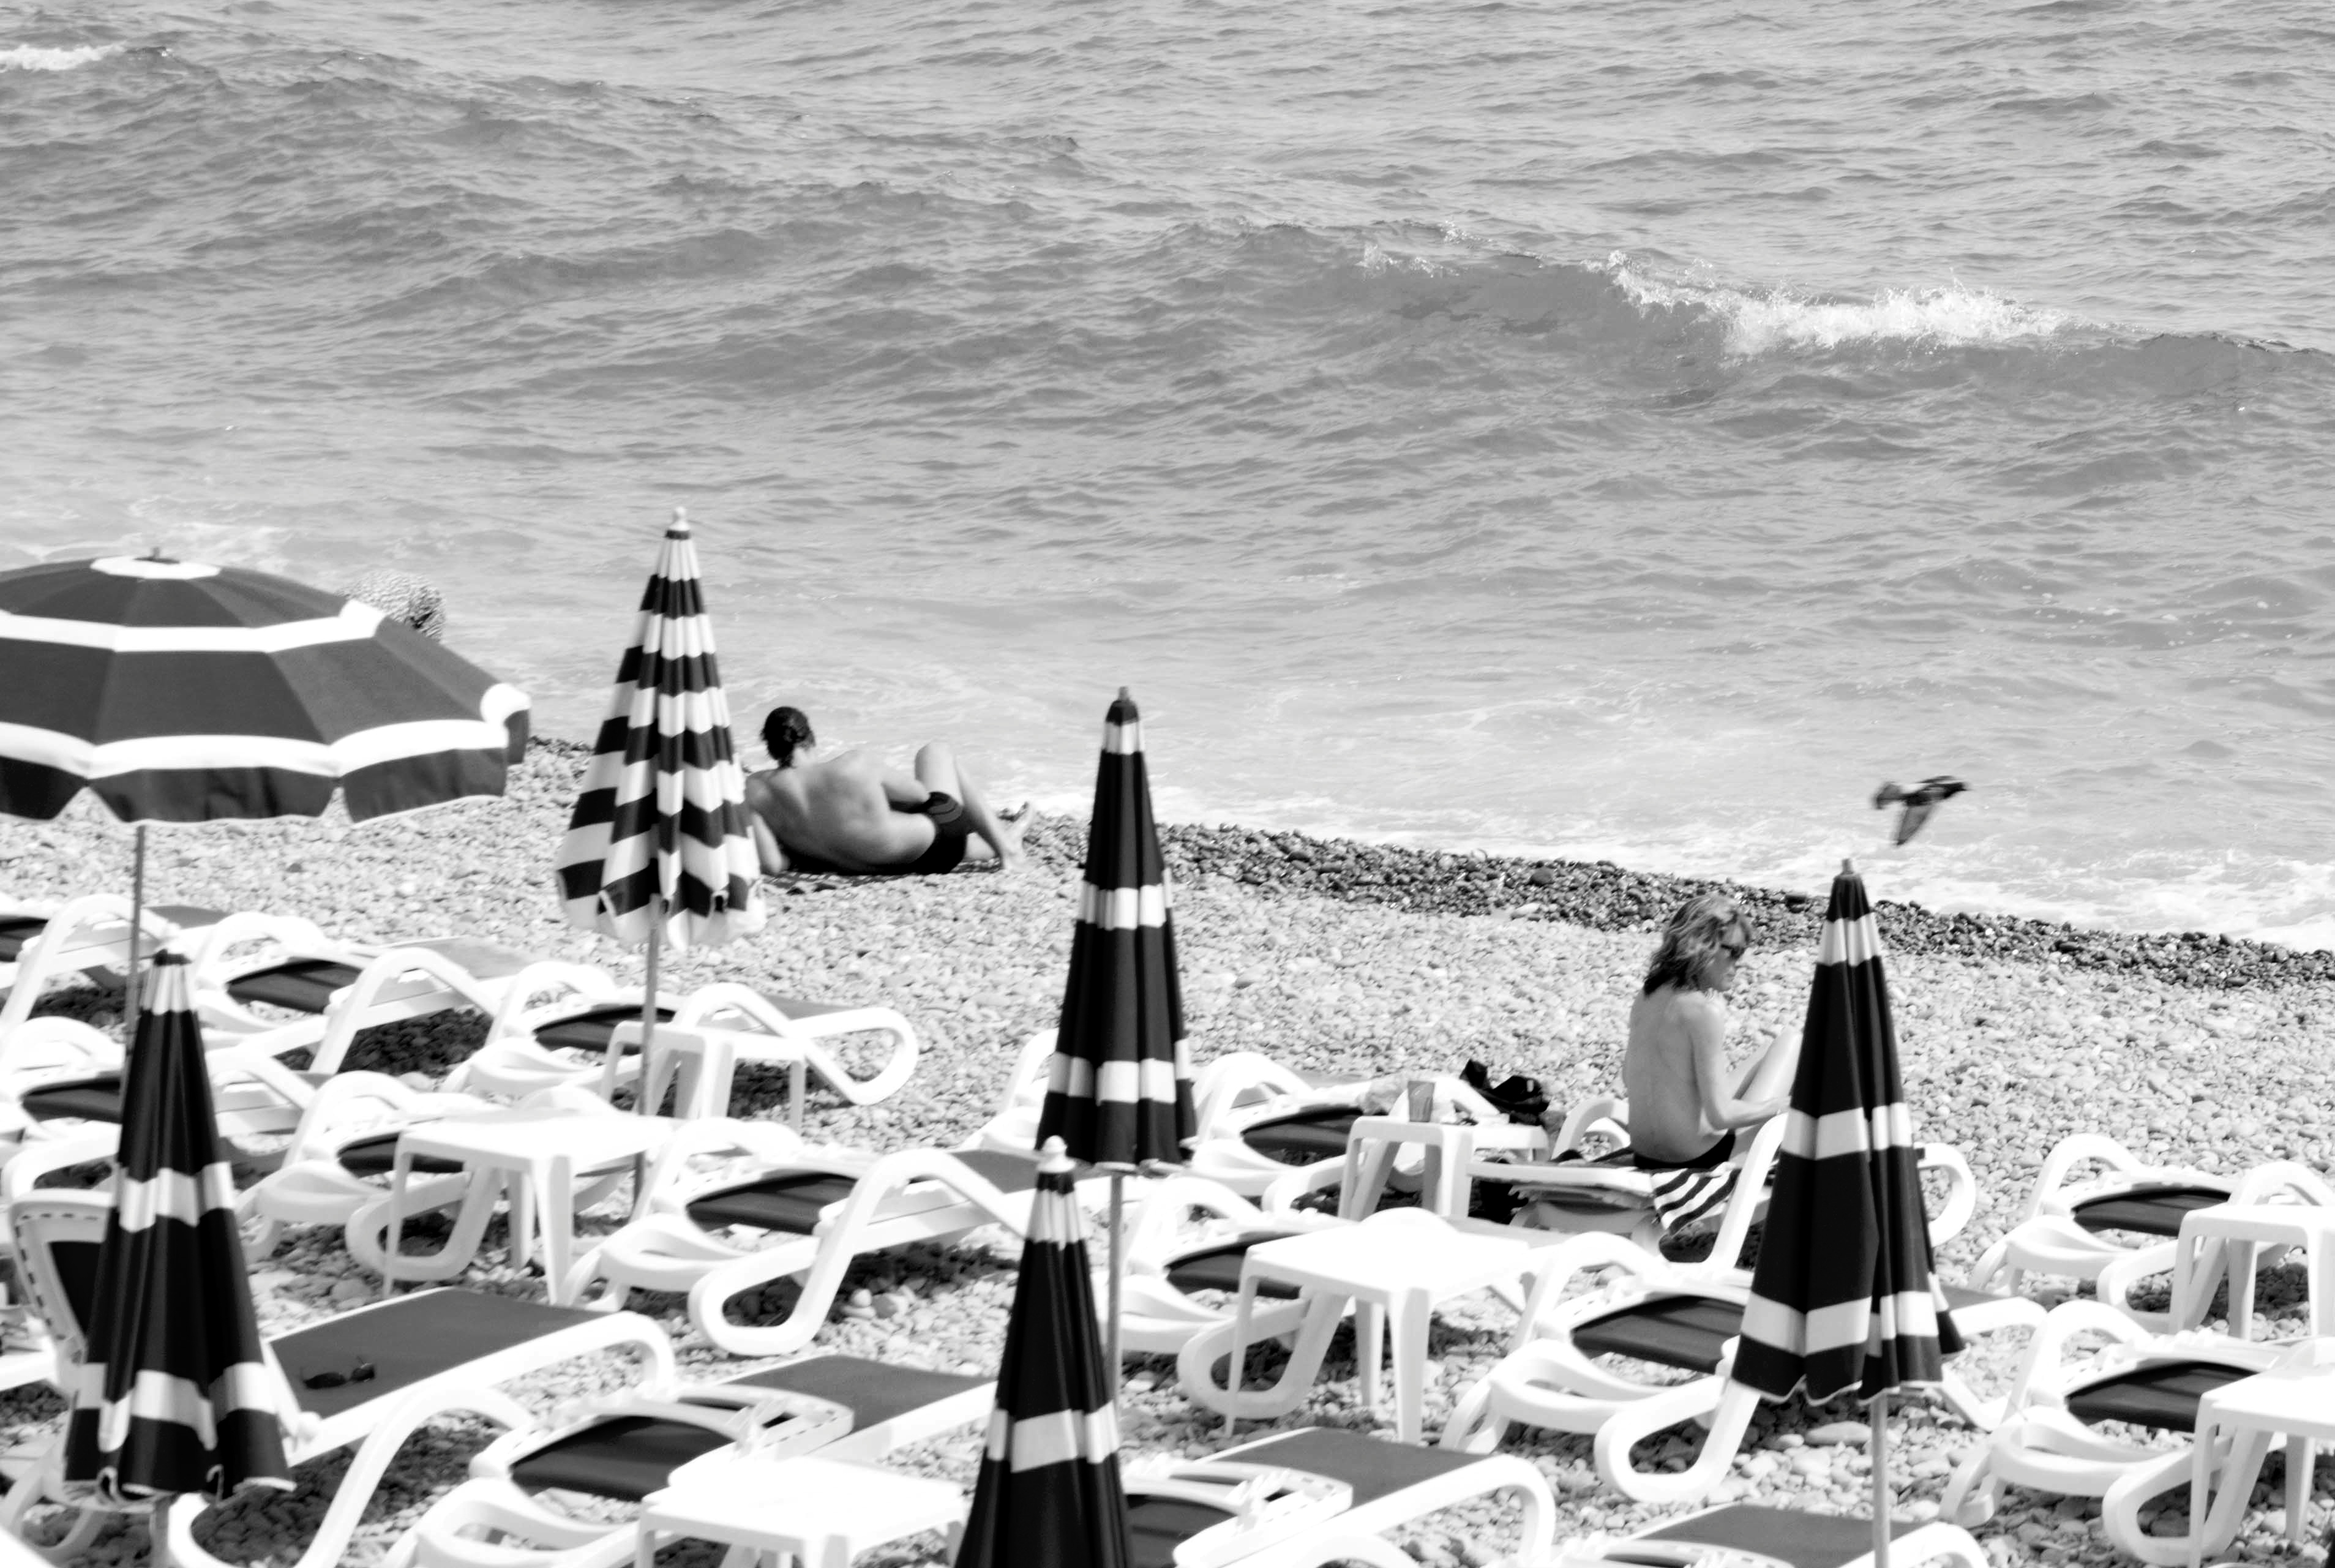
point(1619, 430)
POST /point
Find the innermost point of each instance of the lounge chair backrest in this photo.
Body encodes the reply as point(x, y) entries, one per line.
point(57, 1236)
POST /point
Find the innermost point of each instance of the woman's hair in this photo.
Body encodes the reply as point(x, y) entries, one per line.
point(1693, 939)
point(786, 731)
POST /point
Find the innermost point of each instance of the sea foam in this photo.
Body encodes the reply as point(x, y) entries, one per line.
point(35, 57)
point(1759, 323)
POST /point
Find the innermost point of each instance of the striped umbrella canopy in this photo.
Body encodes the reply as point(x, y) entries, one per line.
point(182, 692)
point(1120, 1089)
point(658, 846)
point(174, 1395)
point(1846, 1297)
point(1049, 1489)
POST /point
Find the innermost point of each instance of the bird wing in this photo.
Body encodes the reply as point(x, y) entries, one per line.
point(1917, 811)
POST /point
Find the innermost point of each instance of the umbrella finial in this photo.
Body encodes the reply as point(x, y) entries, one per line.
point(1054, 1158)
point(680, 524)
point(1125, 695)
point(1848, 867)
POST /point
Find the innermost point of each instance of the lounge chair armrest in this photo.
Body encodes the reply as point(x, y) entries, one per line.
point(1961, 1193)
point(1729, 1404)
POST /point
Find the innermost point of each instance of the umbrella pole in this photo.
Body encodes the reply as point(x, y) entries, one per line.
point(1117, 1273)
point(648, 1016)
point(137, 924)
point(1880, 1411)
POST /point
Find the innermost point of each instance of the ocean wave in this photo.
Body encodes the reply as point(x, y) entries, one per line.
point(1757, 323)
point(37, 57)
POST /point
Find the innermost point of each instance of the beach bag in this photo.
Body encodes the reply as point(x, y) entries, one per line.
point(1519, 1097)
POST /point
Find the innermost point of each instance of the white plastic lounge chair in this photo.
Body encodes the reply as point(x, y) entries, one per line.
point(1685, 1318)
point(2070, 1227)
point(41, 942)
point(525, 1485)
point(822, 1205)
point(583, 1039)
point(1262, 1127)
point(1180, 1285)
point(340, 1156)
point(60, 1078)
point(2052, 1442)
point(1747, 1535)
point(428, 1354)
point(1240, 1506)
point(336, 989)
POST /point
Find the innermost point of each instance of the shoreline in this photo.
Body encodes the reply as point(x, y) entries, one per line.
point(1601, 896)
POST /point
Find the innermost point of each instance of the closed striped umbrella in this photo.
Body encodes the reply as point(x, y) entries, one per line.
point(1845, 1298)
point(658, 851)
point(182, 692)
point(1049, 1489)
point(1118, 1092)
point(173, 1395)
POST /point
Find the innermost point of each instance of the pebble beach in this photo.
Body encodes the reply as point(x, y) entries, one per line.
point(1326, 955)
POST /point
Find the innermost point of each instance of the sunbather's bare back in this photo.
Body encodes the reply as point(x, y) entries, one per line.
point(851, 813)
point(1659, 1072)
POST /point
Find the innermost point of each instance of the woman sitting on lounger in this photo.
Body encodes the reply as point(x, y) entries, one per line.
point(1683, 1114)
point(851, 815)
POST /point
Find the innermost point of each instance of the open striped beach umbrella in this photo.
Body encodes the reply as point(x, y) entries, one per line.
point(182, 692)
point(173, 1396)
point(177, 692)
point(1049, 1488)
point(1119, 1090)
point(658, 851)
point(1845, 1298)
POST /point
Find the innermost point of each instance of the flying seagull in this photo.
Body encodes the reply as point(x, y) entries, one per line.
point(1920, 801)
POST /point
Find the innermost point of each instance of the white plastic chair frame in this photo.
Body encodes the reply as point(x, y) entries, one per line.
point(2040, 1446)
point(1158, 1317)
point(376, 1427)
point(2047, 1240)
point(311, 1186)
point(896, 1199)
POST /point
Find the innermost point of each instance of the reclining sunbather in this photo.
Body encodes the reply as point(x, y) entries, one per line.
point(1683, 1118)
point(850, 814)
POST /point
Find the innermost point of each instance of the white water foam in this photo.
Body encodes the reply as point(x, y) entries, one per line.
point(1780, 319)
point(33, 57)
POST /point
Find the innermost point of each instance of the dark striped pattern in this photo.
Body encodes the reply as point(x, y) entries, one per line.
point(1120, 1089)
point(1844, 1296)
point(1049, 1490)
point(174, 1395)
point(659, 833)
point(181, 692)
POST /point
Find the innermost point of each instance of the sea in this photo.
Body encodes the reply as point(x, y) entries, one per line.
point(1627, 431)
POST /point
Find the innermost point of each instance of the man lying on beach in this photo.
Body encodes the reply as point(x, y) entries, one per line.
point(1683, 1118)
point(849, 813)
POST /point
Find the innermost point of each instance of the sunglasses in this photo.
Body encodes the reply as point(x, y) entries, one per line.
point(1735, 950)
point(363, 1372)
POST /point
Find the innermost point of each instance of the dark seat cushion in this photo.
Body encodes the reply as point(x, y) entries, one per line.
point(1683, 1331)
point(375, 1155)
point(409, 1339)
point(298, 985)
point(1303, 1137)
point(96, 1098)
point(16, 930)
point(630, 1457)
point(791, 1202)
point(1785, 1534)
point(1375, 1467)
point(2150, 1211)
point(1218, 1268)
point(591, 1029)
point(2164, 1395)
